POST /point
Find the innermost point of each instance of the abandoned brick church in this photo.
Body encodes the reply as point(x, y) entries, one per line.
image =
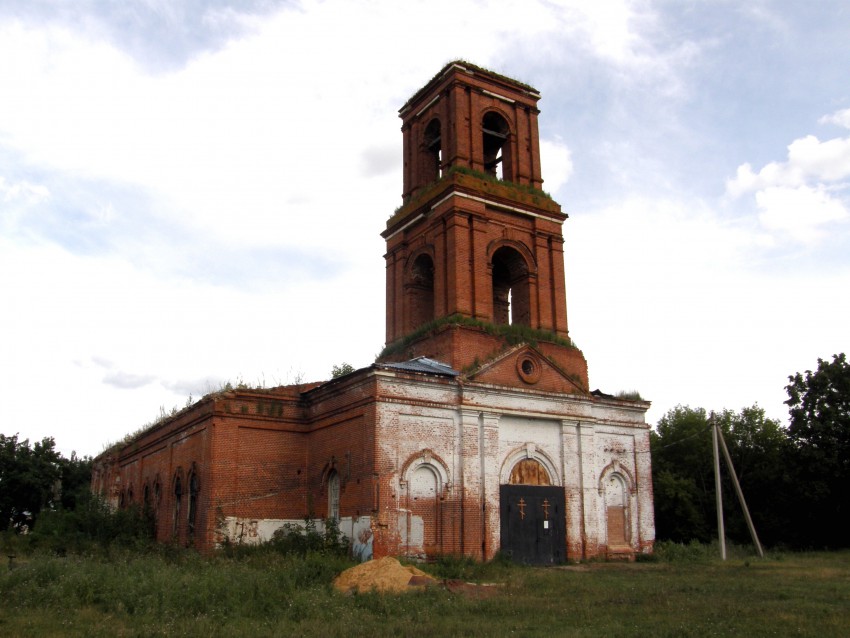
point(475, 431)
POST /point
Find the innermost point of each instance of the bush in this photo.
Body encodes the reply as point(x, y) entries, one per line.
point(93, 523)
point(697, 552)
point(298, 539)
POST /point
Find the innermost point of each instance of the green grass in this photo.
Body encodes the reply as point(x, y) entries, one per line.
point(512, 334)
point(684, 592)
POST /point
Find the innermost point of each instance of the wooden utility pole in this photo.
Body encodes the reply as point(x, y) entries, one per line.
point(717, 492)
point(740, 494)
point(715, 435)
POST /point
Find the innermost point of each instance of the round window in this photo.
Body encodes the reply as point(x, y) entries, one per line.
point(529, 369)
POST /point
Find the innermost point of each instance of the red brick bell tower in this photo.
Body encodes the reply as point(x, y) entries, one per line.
point(475, 253)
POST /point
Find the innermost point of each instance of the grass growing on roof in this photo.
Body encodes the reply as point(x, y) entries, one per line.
point(513, 334)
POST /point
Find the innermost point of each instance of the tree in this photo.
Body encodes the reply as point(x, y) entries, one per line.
point(341, 370)
point(819, 409)
point(683, 475)
point(760, 451)
point(76, 480)
point(29, 479)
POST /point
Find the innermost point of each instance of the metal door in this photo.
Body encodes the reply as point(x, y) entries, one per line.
point(532, 525)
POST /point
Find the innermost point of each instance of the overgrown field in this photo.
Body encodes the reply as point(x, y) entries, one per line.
point(175, 593)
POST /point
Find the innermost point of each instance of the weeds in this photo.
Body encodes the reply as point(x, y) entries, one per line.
point(93, 524)
point(629, 395)
point(266, 593)
point(512, 334)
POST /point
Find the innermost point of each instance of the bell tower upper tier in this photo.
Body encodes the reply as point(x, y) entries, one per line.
point(476, 249)
point(468, 117)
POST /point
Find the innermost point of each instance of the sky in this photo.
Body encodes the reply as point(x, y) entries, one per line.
point(191, 193)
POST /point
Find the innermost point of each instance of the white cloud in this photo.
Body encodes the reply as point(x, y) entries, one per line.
point(254, 142)
point(667, 298)
point(110, 343)
point(801, 196)
point(557, 164)
point(799, 212)
point(841, 118)
point(17, 199)
point(809, 159)
point(22, 192)
point(272, 148)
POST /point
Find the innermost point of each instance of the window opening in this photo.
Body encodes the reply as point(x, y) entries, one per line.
point(194, 488)
point(157, 493)
point(178, 495)
point(421, 291)
point(511, 296)
point(433, 150)
point(495, 131)
point(423, 505)
point(616, 511)
point(529, 472)
point(333, 495)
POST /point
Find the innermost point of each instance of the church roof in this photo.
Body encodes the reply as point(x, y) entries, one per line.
point(422, 364)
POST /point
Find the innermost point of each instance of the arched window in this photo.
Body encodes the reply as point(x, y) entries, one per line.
point(178, 496)
point(130, 495)
point(423, 503)
point(333, 495)
point(420, 290)
point(616, 510)
point(194, 488)
point(157, 495)
point(496, 148)
point(511, 295)
point(529, 472)
point(432, 151)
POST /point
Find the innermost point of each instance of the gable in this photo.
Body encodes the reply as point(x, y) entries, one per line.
point(526, 367)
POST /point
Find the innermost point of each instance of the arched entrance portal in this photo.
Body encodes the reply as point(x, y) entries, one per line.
point(532, 515)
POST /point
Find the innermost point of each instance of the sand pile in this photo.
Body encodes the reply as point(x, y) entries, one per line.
point(382, 575)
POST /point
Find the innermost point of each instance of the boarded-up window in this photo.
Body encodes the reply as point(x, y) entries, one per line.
point(333, 495)
point(615, 504)
point(529, 472)
point(423, 502)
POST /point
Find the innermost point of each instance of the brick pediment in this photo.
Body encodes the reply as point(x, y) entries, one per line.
point(528, 367)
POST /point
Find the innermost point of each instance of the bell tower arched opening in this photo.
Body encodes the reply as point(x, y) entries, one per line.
point(432, 153)
point(497, 160)
point(420, 291)
point(511, 295)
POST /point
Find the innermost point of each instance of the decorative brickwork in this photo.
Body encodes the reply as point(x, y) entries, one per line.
point(475, 431)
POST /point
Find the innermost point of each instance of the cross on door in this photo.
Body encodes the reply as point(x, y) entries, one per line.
point(522, 508)
point(546, 508)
